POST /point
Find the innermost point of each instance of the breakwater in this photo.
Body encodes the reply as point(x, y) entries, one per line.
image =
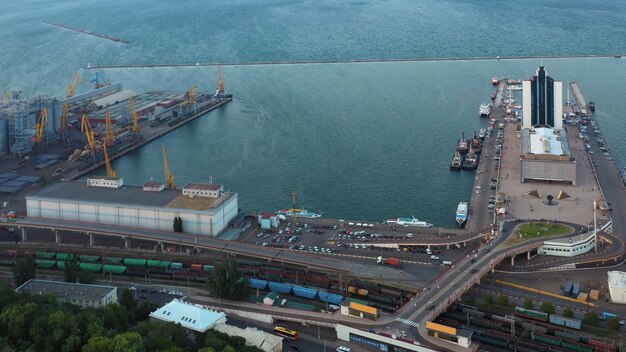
point(88, 32)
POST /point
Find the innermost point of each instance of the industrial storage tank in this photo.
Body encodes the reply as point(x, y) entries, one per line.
point(4, 136)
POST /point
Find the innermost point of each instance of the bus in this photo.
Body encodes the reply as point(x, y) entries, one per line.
point(287, 333)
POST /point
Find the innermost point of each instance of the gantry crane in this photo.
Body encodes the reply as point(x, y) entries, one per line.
point(107, 162)
point(169, 177)
point(220, 83)
point(133, 113)
point(109, 136)
point(71, 88)
point(41, 125)
point(86, 127)
point(64, 118)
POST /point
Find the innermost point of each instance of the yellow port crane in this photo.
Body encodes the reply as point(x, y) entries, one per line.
point(169, 177)
point(89, 133)
point(133, 114)
point(220, 82)
point(71, 88)
point(64, 118)
point(107, 162)
point(41, 125)
point(109, 136)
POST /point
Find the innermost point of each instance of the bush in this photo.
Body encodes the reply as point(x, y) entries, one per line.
point(568, 313)
point(548, 307)
point(591, 318)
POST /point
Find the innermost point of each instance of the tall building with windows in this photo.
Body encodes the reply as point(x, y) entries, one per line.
point(542, 101)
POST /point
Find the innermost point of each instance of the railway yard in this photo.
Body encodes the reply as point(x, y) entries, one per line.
point(419, 288)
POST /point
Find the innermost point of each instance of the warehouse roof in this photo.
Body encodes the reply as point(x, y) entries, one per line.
point(254, 337)
point(191, 316)
point(125, 195)
point(66, 290)
point(617, 279)
point(114, 98)
point(544, 140)
point(203, 186)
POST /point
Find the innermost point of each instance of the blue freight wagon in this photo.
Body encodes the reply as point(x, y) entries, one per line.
point(330, 297)
point(280, 287)
point(575, 290)
point(305, 292)
point(256, 283)
point(607, 315)
point(564, 321)
point(567, 291)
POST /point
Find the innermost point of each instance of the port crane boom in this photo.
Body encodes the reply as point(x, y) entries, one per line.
point(110, 171)
point(109, 137)
point(169, 177)
point(43, 121)
point(71, 88)
point(133, 114)
point(86, 127)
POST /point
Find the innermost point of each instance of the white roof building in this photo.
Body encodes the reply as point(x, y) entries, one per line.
point(254, 337)
point(191, 316)
point(617, 286)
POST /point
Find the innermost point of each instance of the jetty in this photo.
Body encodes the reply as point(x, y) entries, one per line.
point(581, 102)
point(88, 32)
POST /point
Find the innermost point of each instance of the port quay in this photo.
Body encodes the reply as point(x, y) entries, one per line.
point(380, 284)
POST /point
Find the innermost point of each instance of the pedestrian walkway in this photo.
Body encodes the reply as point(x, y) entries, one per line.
point(408, 322)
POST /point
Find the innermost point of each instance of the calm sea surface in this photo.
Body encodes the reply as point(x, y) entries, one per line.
point(360, 141)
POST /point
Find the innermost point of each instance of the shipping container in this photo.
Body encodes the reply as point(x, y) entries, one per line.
point(567, 291)
point(305, 292)
point(575, 290)
point(256, 283)
point(352, 289)
point(197, 267)
point(565, 321)
point(45, 263)
point(362, 292)
point(92, 267)
point(112, 260)
point(135, 261)
point(594, 295)
point(280, 287)
point(582, 297)
point(115, 269)
point(330, 297)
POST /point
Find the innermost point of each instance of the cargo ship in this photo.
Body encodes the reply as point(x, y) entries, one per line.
point(412, 221)
point(457, 160)
point(461, 213)
point(463, 145)
point(299, 213)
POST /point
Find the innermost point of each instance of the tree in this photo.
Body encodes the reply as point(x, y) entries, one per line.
point(227, 281)
point(503, 300)
point(528, 303)
point(591, 318)
point(489, 299)
point(127, 342)
point(127, 300)
point(548, 307)
point(86, 277)
point(613, 324)
point(24, 270)
point(144, 309)
point(98, 344)
point(71, 268)
point(568, 313)
point(178, 224)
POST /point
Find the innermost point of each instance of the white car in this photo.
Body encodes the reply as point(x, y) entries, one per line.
point(409, 235)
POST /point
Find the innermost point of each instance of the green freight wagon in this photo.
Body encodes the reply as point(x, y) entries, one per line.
point(45, 255)
point(135, 261)
point(380, 298)
point(45, 263)
point(92, 267)
point(576, 346)
point(493, 341)
point(112, 260)
point(64, 256)
point(155, 263)
point(567, 336)
point(532, 314)
point(207, 268)
point(88, 258)
point(115, 269)
point(176, 265)
point(552, 340)
point(61, 264)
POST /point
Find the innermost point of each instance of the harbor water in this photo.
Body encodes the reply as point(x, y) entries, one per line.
point(363, 141)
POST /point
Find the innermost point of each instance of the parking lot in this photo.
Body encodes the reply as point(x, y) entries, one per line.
point(376, 241)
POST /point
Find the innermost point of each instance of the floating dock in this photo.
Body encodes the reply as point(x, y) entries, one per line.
point(88, 32)
point(581, 102)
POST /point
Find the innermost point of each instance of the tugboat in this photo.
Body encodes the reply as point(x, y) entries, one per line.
point(495, 81)
point(476, 145)
point(471, 161)
point(457, 161)
point(592, 106)
point(463, 145)
point(482, 133)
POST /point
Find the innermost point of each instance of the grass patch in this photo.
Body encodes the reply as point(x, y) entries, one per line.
point(532, 230)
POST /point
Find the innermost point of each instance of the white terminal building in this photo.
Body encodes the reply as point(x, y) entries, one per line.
point(545, 153)
point(204, 208)
point(569, 247)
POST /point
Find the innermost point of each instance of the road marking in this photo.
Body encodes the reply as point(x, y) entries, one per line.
point(408, 322)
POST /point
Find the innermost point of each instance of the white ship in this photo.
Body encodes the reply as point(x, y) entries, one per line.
point(461, 213)
point(409, 222)
point(299, 213)
point(484, 110)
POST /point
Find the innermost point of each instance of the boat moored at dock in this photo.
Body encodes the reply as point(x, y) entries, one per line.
point(461, 213)
point(462, 145)
point(457, 161)
point(482, 133)
point(470, 162)
point(476, 144)
point(412, 221)
point(484, 110)
point(299, 213)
